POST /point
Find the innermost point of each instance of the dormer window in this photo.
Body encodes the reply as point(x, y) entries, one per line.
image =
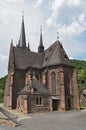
point(65, 56)
point(46, 59)
point(61, 46)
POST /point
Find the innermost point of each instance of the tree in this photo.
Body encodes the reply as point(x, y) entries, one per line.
point(82, 80)
point(2, 87)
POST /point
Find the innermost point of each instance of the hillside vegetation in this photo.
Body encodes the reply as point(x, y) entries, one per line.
point(79, 64)
point(2, 87)
point(80, 67)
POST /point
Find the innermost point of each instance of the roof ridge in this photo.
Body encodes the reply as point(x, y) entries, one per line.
point(39, 86)
point(51, 54)
point(51, 46)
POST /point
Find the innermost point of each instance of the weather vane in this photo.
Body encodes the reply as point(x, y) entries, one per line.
point(57, 35)
point(41, 28)
point(23, 14)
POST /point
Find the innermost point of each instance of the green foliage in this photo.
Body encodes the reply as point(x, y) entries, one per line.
point(80, 67)
point(82, 76)
point(82, 80)
point(79, 64)
point(2, 87)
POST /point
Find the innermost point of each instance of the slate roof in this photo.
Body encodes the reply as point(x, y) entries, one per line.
point(24, 58)
point(25, 90)
point(38, 87)
point(54, 55)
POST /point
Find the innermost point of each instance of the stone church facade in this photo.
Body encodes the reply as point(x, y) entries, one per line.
point(40, 81)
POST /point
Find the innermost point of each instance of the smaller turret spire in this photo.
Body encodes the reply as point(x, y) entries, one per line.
point(41, 47)
point(22, 39)
point(28, 46)
point(12, 42)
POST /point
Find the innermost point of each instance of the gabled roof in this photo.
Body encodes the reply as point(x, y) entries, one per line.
point(25, 90)
point(25, 58)
point(38, 87)
point(54, 55)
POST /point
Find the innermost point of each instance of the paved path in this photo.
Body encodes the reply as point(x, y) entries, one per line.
point(10, 128)
point(17, 116)
point(52, 121)
point(56, 121)
point(14, 117)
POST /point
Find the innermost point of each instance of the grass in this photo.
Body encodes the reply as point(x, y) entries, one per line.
point(83, 106)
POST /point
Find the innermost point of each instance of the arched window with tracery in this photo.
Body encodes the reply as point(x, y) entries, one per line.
point(53, 80)
point(67, 84)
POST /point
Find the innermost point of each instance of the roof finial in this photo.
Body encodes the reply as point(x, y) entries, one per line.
point(57, 36)
point(41, 28)
point(23, 15)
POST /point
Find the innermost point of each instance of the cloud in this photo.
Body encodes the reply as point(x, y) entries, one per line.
point(68, 17)
point(55, 7)
point(3, 64)
point(3, 58)
point(14, 1)
point(71, 58)
point(63, 10)
point(74, 29)
point(74, 2)
point(39, 2)
point(70, 32)
point(82, 18)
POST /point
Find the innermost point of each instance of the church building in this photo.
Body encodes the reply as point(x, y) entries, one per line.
point(40, 81)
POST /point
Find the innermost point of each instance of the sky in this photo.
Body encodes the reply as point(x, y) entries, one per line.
point(66, 17)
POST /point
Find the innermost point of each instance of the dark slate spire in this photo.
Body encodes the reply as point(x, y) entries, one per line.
point(22, 39)
point(41, 47)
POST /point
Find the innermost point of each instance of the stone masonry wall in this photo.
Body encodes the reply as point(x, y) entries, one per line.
point(34, 108)
point(18, 85)
point(76, 92)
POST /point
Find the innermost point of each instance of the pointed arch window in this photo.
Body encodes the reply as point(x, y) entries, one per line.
point(53, 80)
point(67, 84)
